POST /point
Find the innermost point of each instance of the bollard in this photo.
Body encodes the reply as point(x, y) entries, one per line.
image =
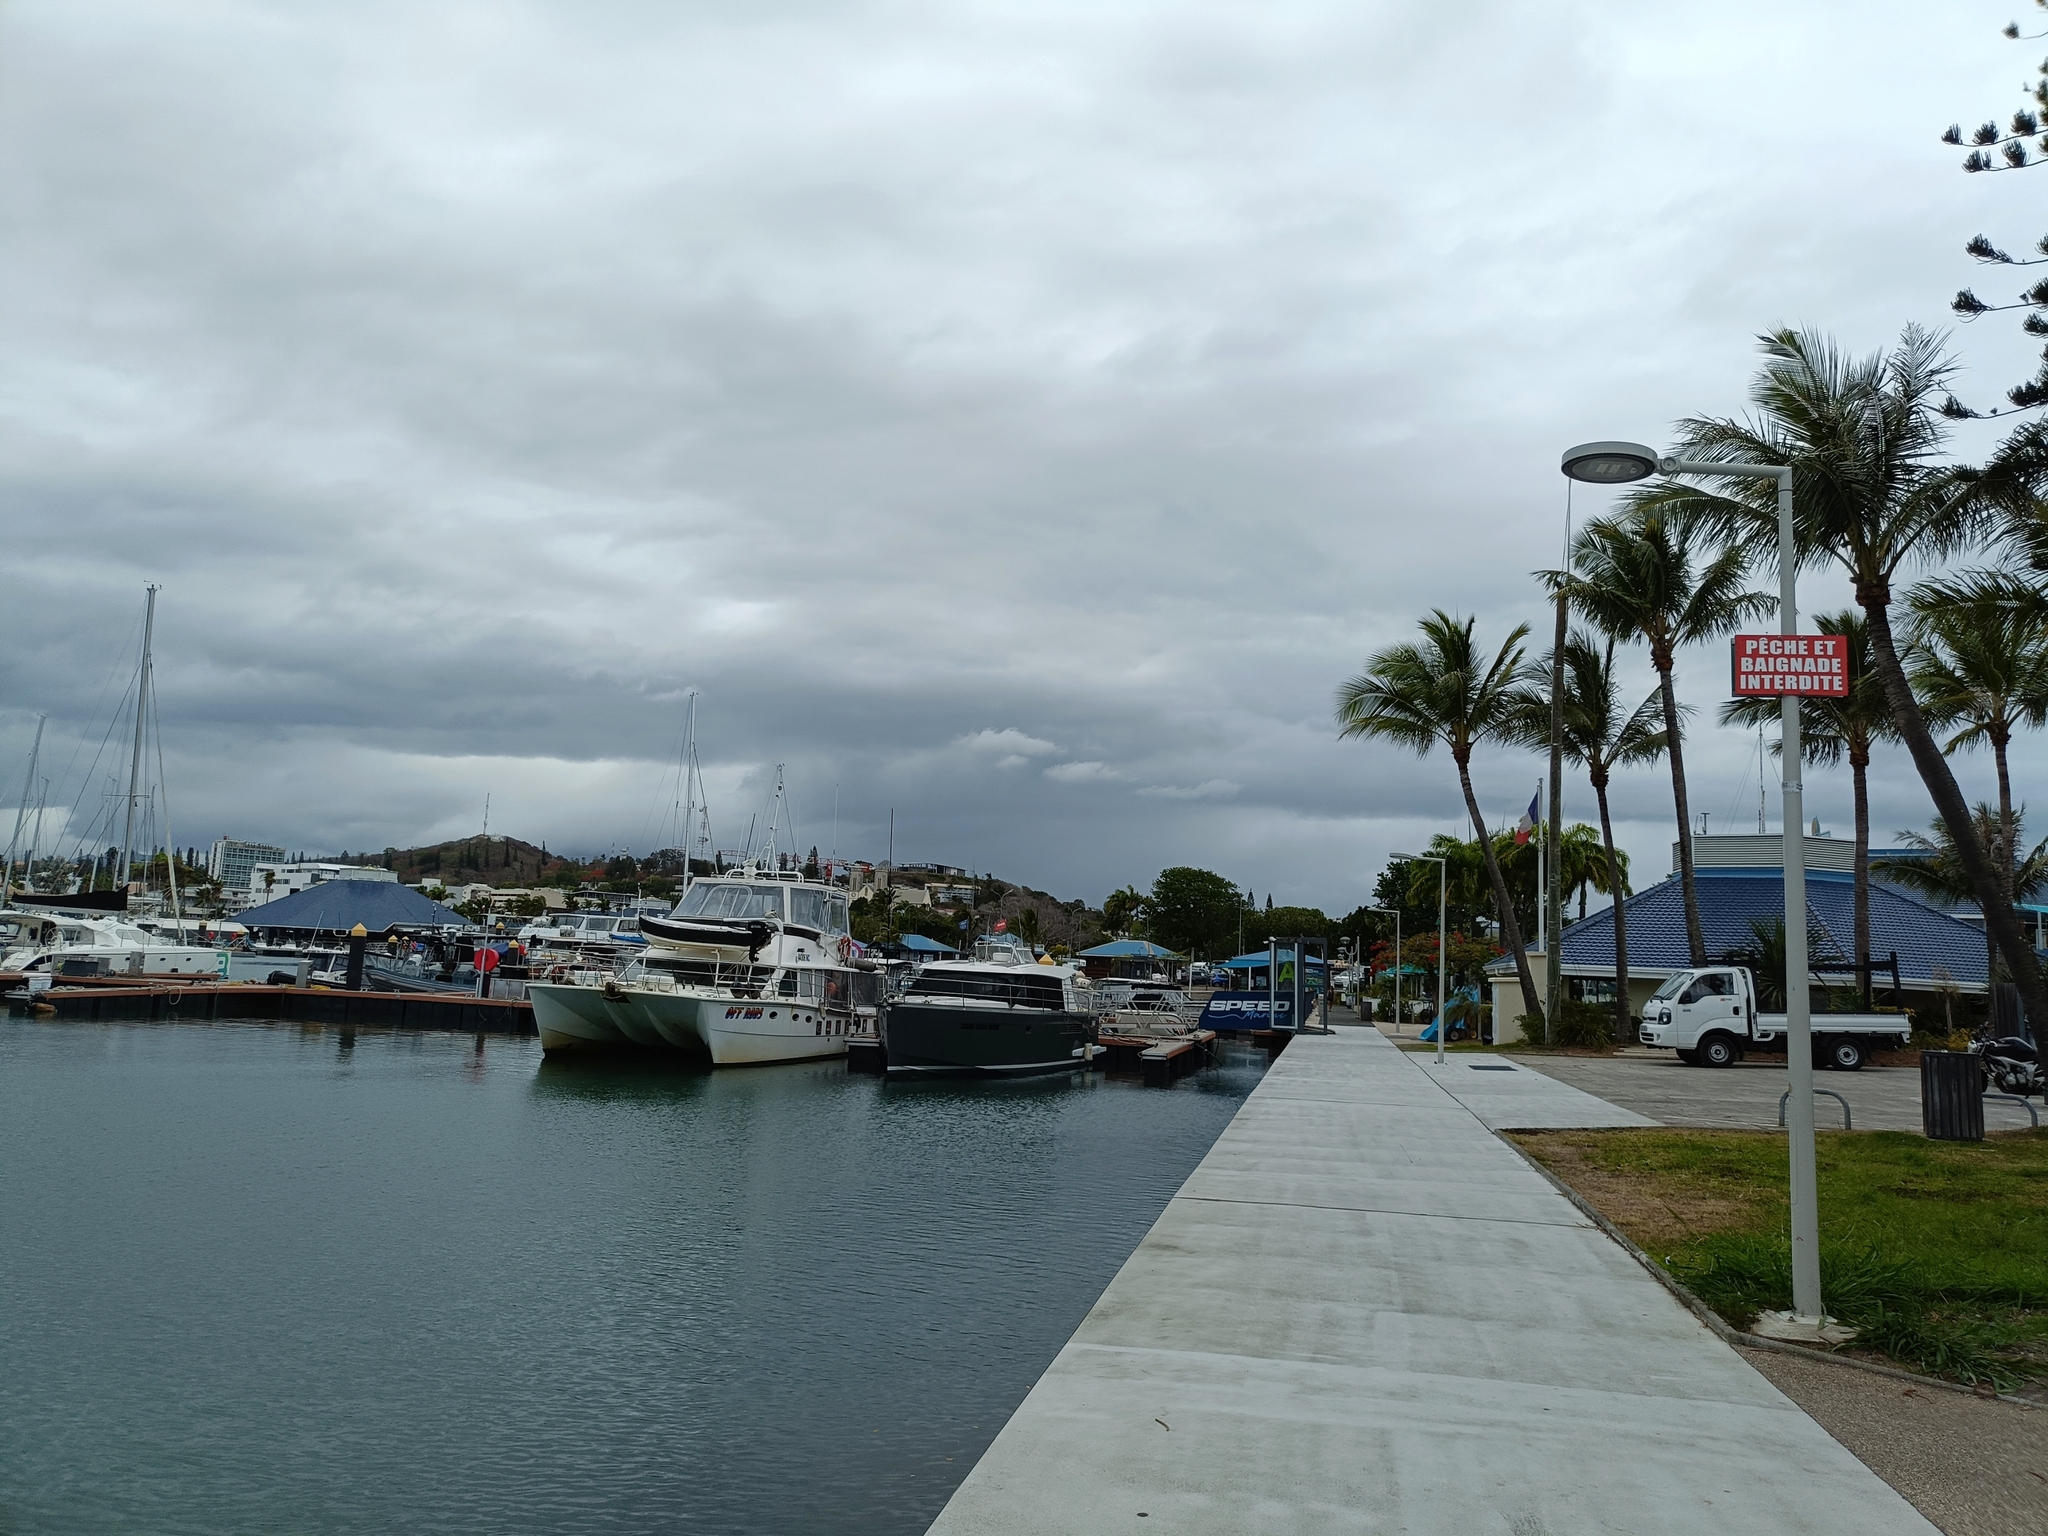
point(358, 937)
point(1951, 1096)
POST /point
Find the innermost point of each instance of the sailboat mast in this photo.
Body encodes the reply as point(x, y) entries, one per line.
point(135, 762)
point(163, 792)
point(774, 817)
point(28, 786)
point(689, 822)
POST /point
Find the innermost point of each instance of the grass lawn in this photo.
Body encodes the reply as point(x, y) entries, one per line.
point(1937, 1251)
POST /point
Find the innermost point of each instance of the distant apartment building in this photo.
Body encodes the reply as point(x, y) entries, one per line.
point(949, 895)
point(270, 882)
point(233, 863)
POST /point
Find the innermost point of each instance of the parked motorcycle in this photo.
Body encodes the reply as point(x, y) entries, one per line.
point(2012, 1065)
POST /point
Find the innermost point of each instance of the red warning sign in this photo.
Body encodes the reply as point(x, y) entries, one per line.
point(1773, 665)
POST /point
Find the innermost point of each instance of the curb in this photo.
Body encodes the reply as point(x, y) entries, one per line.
point(1735, 1337)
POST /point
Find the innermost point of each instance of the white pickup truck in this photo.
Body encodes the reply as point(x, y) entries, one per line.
point(1709, 1017)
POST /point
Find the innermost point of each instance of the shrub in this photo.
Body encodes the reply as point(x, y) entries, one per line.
point(1580, 1026)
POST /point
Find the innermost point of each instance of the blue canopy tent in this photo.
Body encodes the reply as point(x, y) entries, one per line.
point(1254, 967)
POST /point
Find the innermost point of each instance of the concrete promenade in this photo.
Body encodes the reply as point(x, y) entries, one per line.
point(1364, 1312)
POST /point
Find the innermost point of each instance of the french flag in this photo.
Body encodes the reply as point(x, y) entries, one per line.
point(1527, 824)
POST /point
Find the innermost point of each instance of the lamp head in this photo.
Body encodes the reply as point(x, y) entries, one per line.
point(1610, 463)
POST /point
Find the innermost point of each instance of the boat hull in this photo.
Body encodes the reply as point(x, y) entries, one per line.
point(573, 1018)
point(947, 1039)
point(718, 1030)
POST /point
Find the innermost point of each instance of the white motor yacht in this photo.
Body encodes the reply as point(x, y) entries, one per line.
point(63, 944)
point(751, 967)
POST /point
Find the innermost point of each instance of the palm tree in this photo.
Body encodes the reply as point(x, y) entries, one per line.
point(1600, 734)
point(1979, 664)
point(1830, 730)
point(1123, 910)
point(1942, 875)
point(1863, 436)
point(1645, 576)
point(1443, 690)
point(1583, 866)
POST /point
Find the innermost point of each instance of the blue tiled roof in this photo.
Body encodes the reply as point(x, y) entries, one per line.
point(1931, 944)
point(336, 906)
point(1128, 949)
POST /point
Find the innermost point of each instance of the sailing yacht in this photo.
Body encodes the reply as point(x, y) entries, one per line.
point(752, 966)
point(73, 945)
point(88, 932)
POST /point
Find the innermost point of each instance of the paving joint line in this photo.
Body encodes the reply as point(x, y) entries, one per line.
point(1375, 1210)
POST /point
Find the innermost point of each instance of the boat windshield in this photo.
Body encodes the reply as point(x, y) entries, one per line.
point(731, 901)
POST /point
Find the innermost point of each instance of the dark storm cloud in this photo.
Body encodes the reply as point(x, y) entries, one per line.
point(1020, 417)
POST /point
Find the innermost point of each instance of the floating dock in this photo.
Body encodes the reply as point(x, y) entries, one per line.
point(122, 1000)
point(1158, 1061)
point(1365, 1312)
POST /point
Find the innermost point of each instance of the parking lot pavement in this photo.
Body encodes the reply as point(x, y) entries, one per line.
point(1745, 1096)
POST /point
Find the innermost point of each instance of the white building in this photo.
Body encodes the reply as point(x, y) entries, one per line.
point(271, 882)
point(233, 863)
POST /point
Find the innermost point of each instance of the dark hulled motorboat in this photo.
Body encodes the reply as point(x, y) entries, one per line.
point(999, 1014)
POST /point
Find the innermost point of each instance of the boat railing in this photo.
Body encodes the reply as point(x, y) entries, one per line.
point(737, 977)
point(1011, 991)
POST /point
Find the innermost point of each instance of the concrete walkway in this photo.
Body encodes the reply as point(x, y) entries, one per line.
point(1745, 1096)
point(1506, 1096)
point(1364, 1312)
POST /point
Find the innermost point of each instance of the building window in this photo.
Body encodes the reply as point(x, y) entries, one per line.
point(1590, 989)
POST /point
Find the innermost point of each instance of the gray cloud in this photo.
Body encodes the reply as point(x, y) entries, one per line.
point(1020, 419)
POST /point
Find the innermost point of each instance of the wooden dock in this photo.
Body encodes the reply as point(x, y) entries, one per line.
point(155, 1000)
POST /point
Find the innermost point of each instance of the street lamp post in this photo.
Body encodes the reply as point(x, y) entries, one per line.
point(1395, 913)
point(1442, 889)
point(1618, 464)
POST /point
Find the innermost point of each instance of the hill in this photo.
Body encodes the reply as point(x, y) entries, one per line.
point(500, 861)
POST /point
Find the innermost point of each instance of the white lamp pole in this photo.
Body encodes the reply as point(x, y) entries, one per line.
point(1442, 886)
point(1618, 464)
point(1395, 913)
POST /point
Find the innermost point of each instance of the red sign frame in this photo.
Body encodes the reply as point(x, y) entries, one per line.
point(1771, 666)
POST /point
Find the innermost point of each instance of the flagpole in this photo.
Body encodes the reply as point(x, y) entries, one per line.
point(1542, 885)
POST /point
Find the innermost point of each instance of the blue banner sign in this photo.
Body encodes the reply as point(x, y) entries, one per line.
point(1248, 1010)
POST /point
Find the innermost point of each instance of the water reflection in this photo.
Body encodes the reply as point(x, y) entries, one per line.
point(575, 1296)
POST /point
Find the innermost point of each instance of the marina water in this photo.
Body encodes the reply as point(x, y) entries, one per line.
point(259, 1277)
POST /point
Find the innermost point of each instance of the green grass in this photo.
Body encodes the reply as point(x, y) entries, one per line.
point(1936, 1251)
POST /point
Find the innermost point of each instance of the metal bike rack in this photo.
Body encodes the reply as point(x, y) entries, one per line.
point(2013, 1098)
point(1785, 1097)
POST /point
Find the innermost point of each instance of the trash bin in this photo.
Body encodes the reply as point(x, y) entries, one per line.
point(1951, 1096)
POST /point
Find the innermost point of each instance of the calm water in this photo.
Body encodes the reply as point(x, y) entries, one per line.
point(259, 1278)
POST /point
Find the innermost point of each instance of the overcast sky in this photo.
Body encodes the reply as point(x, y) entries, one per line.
point(1021, 416)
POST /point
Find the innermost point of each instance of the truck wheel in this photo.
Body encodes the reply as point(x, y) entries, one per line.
point(1719, 1050)
point(1843, 1054)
